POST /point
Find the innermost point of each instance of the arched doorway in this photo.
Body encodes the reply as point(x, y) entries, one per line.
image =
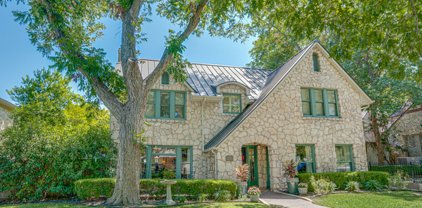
point(257, 158)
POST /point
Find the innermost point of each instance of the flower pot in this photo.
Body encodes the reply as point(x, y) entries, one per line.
point(254, 198)
point(292, 185)
point(303, 191)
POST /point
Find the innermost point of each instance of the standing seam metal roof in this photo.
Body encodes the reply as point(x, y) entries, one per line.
point(204, 78)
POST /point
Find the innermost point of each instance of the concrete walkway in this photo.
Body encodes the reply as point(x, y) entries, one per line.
point(285, 200)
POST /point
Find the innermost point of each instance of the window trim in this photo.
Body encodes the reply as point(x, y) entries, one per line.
point(149, 155)
point(352, 161)
point(312, 154)
point(232, 94)
point(325, 102)
point(315, 62)
point(172, 104)
point(165, 78)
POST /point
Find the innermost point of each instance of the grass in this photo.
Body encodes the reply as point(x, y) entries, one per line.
point(387, 199)
point(75, 205)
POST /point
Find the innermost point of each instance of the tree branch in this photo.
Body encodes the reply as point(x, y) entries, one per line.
point(131, 73)
point(167, 58)
point(109, 99)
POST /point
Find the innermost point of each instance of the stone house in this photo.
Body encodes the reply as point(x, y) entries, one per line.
point(308, 110)
point(406, 133)
point(5, 109)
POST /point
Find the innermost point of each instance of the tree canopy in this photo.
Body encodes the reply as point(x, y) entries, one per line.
point(56, 139)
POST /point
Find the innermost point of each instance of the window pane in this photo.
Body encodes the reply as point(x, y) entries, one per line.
point(344, 167)
point(304, 158)
point(186, 158)
point(180, 98)
point(149, 111)
point(305, 94)
point(165, 105)
point(179, 111)
point(232, 104)
point(332, 109)
point(331, 96)
point(163, 166)
point(318, 95)
point(165, 78)
point(319, 109)
point(306, 108)
point(344, 158)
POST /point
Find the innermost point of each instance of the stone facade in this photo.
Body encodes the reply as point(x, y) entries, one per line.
point(277, 124)
point(409, 129)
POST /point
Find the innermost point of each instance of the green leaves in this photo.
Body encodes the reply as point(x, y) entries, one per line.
point(56, 138)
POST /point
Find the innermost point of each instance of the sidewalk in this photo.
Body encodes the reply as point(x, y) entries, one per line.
point(284, 200)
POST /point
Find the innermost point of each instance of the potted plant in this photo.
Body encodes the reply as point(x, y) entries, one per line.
point(242, 173)
point(291, 173)
point(253, 193)
point(303, 188)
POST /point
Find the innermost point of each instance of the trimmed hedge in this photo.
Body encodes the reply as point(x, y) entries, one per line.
point(342, 178)
point(392, 169)
point(103, 187)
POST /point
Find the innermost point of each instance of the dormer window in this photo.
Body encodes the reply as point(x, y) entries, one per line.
point(315, 61)
point(232, 103)
point(165, 78)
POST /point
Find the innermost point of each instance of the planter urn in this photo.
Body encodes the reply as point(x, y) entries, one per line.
point(303, 191)
point(254, 198)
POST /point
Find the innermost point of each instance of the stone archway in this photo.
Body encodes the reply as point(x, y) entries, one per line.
point(257, 157)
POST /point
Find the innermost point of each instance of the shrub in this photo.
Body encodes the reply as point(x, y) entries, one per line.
point(222, 196)
point(341, 178)
point(392, 169)
point(322, 186)
point(398, 181)
point(94, 188)
point(373, 185)
point(202, 197)
point(180, 199)
point(352, 186)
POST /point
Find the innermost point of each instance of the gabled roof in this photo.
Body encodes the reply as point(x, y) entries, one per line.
point(273, 80)
point(205, 78)
point(6, 105)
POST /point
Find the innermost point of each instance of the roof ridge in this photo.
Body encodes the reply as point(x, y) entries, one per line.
point(222, 65)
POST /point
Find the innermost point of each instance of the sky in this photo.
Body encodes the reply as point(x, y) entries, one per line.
point(18, 57)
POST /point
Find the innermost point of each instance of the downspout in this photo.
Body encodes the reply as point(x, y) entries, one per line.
point(202, 124)
point(215, 163)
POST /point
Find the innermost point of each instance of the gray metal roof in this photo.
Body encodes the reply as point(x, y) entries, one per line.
point(204, 78)
point(272, 81)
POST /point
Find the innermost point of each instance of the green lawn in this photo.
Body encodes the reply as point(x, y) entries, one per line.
point(209, 205)
point(387, 199)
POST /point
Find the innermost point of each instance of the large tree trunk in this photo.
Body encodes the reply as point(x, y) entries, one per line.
point(126, 191)
point(378, 140)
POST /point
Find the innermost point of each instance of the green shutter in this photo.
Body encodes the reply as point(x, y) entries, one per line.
point(172, 104)
point(315, 62)
point(337, 105)
point(268, 168)
point(325, 100)
point(178, 162)
point(352, 161)
point(313, 106)
point(313, 158)
point(157, 102)
point(191, 162)
point(148, 168)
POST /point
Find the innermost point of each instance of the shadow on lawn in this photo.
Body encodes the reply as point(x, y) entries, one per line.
point(402, 195)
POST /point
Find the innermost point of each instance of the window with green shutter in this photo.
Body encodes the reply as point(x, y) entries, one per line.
point(344, 156)
point(319, 102)
point(305, 158)
point(166, 104)
point(169, 162)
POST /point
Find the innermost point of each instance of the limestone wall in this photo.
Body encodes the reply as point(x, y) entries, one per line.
point(204, 118)
point(410, 127)
point(280, 124)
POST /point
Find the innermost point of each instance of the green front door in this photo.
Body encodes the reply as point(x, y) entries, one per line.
point(250, 157)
